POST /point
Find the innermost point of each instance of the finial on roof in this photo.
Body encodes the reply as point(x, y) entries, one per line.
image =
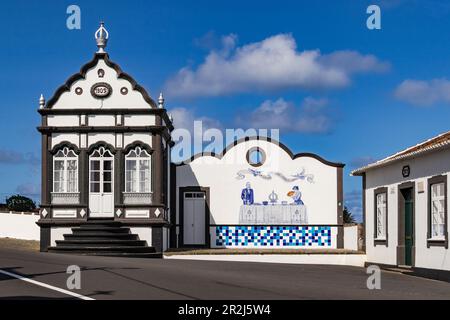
point(161, 101)
point(41, 101)
point(101, 37)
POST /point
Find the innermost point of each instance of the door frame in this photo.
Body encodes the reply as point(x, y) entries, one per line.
point(181, 192)
point(401, 223)
point(102, 159)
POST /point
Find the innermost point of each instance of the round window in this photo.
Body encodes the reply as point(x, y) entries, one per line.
point(256, 157)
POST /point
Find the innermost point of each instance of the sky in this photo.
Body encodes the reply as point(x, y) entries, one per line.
point(309, 68)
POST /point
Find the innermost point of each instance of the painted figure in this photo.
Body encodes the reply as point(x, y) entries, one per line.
point(247, 194)
point(296, 195)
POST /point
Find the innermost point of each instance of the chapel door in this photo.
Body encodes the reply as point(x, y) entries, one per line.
point(101, 172)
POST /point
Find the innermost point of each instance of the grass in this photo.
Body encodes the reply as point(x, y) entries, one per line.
point(258, 251)
point(18, 244)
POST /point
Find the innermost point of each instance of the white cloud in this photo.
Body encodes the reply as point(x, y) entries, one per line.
point(424, 93)
point(311, 117)
point(271, 64)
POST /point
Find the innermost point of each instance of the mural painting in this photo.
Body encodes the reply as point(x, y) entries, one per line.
point(268, 209)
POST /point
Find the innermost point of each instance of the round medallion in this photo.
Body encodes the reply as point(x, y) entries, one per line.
point(123, 90)
point(78, 90)
point(101, 90)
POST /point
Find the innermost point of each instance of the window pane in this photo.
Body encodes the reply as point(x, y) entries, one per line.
point(57, 187)
point(95, 165)
point(107, 176)
point(95, 176)
point(131, 164)
point(95, 187)
point(381, 215)
point(107, 187)
point(59, 165)
point(107, 165)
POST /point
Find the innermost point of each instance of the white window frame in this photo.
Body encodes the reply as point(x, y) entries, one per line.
point(435, 215)
point(381, 221)
point(141, 154)
point(65, 159)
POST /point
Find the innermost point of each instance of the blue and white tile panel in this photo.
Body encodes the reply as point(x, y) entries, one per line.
point(273, 236)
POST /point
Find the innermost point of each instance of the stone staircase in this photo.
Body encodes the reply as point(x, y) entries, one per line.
point(104, 238)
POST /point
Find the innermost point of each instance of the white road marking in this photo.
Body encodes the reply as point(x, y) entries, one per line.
point(41, 284)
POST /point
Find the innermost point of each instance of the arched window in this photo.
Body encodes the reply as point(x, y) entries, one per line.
point(65, 171)
point(137, 171)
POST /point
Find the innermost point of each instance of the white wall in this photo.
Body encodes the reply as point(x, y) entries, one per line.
point(19, 226)
point(422, 168)
point(351, 237)
point(220, 175)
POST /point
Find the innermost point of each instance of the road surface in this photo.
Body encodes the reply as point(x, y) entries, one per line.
point(126, 278)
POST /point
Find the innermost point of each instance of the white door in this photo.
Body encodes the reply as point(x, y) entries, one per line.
point(194, 218)
point(101, 184)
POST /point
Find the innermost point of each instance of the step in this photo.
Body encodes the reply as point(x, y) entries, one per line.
point(155, 255)
point(96, 236)
point(99, 231)
point(105, 249)
point(101, 242)
point(104, 223)
point(100, 226)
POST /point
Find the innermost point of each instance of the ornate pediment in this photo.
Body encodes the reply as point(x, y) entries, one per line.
point(100, 83)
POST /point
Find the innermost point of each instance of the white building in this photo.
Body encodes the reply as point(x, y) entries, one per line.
point(109, 187)
point(405, 207)
point(258, 194)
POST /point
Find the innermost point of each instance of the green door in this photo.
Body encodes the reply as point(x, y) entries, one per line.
point(408, 229)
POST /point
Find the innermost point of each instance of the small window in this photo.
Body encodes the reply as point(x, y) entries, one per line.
point(381, 210)
point(256, 157)
point(65, 171)
point(437, 210)
point(137, 171)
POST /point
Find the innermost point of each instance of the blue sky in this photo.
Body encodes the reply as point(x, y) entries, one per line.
point(334, 88)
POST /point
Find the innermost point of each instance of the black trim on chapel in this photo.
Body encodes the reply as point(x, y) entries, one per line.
point(63, 144)
point(82, 75)
point(99, 144)
point(135, 144)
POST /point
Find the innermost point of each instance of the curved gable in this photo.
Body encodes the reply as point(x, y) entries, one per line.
point(266, 140)
point(76, 92)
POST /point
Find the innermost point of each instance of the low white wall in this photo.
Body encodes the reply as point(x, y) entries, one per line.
point(351, 237)
point(356, 260)
point(19, 226)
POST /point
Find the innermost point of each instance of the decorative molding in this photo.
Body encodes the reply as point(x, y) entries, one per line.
point(140, 144)
point(129, 111)
point(64, 144)
point(99, 144)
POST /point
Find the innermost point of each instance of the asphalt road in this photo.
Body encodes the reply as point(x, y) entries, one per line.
point(123, 278)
